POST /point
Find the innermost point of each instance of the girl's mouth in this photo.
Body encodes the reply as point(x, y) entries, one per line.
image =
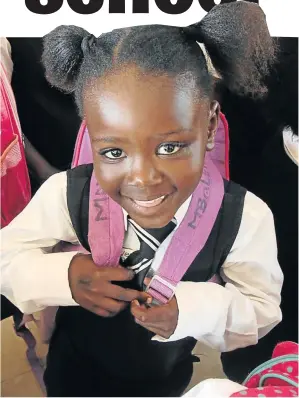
point(150, 203)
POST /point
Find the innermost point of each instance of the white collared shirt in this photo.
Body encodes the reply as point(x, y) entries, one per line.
point(223, 317)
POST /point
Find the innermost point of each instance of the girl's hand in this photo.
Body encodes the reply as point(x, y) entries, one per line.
point(92, 287)
point(161, 320)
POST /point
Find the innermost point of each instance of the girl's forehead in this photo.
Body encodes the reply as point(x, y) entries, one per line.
point(132, 78)
point(130, 97)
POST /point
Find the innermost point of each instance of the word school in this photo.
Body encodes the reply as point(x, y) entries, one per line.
point(119, 6)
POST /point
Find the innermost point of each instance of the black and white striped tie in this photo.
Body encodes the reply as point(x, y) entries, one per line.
point(150, 240)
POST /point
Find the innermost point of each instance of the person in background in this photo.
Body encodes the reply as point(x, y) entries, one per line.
point(49, 118)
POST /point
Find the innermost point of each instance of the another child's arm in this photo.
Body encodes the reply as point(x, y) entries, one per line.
point(248, 306)
point(37, 164)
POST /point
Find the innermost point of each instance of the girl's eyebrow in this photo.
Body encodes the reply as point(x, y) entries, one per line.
point(178, 131)
point(108, 139)
point(114, 139)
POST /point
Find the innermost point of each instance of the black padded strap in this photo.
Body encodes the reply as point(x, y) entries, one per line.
point(78, 186)
point(232, 211)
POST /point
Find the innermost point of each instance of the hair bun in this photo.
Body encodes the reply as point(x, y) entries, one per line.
point(239, 44)
point(64, 50)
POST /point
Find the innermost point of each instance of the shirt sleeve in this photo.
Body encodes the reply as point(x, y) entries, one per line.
point(247, 307)
point(32, 276)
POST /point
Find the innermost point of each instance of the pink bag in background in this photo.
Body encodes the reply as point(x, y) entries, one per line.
point(15, 183)
point(277, 377)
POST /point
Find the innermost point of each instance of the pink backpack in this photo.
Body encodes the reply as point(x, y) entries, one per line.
point(277, 377)
point(15, 183)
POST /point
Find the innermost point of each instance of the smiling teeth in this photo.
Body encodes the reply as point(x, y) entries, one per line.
point(149, 203)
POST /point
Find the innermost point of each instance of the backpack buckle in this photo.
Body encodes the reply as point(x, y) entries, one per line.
point(161, 290)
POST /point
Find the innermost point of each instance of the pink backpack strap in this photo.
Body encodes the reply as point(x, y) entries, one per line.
point(106, 227)
point(83, 152)
point(220, 153)
point(192, 234)
point(106, 231)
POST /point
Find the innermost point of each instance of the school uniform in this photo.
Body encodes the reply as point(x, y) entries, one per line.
point(94, 356)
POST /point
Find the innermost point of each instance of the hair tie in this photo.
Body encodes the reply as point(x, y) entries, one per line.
point(87, 43)
point(191, 33)
point(212, 70)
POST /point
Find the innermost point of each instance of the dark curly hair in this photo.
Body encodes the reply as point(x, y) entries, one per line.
point(235, 36)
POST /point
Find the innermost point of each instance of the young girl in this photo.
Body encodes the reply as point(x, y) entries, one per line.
point(146, 94)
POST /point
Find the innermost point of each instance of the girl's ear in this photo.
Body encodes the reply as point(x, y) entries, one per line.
point(213, 124)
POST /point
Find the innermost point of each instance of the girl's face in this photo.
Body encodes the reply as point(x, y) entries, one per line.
point(149, 136)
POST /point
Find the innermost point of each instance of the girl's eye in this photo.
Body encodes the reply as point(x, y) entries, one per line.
point(170, 148)
point(114, 154)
